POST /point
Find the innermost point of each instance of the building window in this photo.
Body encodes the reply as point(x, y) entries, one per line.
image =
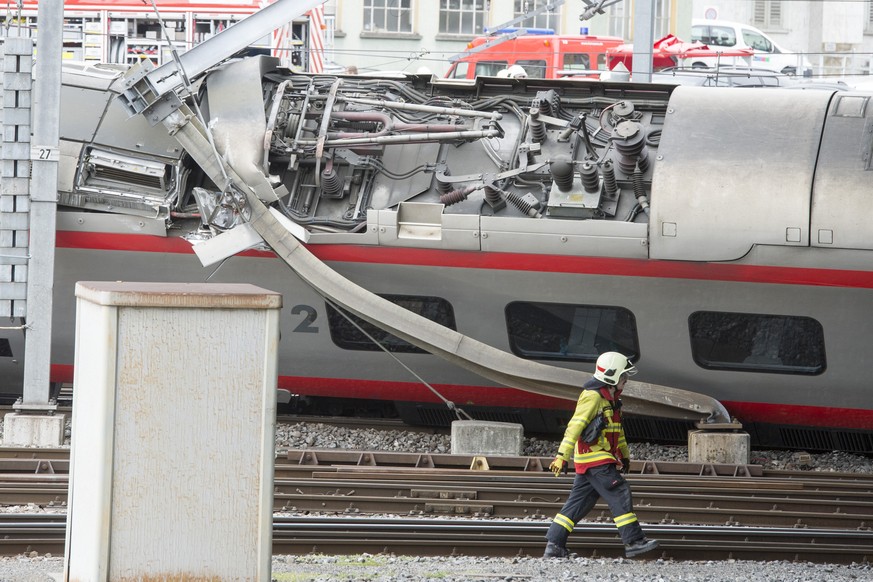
point(868, 27)
point(465, 17)
point(559, 331)
point(348, 331)
point(388, 16)
point(767, 14)
point(547, 19)
point(621, 20)
point(757, 343)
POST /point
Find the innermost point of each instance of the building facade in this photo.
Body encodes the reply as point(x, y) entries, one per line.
point(421, 35)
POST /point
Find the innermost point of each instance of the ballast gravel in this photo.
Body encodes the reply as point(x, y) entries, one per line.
point(386, 568)
point(383, 568)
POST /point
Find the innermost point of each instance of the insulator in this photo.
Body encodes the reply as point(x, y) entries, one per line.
point(523, 205)
point(629, 138)
point(537, 127)
point(554, 103)
point(640, 189)
point(609, 183)
point(643, 160)
point(562, 174)
point(443, 187)
point(590, 178)
point(455, 196)
point(629, 141)
point(637, 179)
point(492, 195)
point(623, 110)
point(548, 102)
point(331, 183)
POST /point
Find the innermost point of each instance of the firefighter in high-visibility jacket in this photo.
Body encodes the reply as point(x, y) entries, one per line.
point(595, 438)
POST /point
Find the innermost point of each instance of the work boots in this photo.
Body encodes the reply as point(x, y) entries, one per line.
point(553, 550)
point(641, 546)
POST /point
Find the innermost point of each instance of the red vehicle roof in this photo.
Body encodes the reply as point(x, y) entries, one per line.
point(669, 50)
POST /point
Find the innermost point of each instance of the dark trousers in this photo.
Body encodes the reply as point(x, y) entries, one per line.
point(602, 481)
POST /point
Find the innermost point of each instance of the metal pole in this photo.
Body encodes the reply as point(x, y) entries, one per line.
point(43, 198)
point(644, 33)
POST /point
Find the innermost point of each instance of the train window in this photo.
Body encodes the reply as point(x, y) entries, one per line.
point(5, 349)
point(346, 329)
point(579, 333)
point(751, 342)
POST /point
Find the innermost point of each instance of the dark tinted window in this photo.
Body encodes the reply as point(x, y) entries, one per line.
point(558, 331)
point(759, 343)
point(534, 69)
point(490, 68)
point(576, 61)
point(349, 336)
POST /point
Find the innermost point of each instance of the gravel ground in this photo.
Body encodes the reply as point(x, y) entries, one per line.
point(401, 569)
point(36, 568)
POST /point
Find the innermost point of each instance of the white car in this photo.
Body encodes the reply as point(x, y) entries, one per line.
point(768, 55)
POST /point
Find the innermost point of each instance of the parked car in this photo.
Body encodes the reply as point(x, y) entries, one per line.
point(768, 55)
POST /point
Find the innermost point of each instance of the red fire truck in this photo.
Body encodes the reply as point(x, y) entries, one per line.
point(543, 56)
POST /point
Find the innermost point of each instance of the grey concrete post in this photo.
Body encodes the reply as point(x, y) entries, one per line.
point(644, 33)
point(43, 204)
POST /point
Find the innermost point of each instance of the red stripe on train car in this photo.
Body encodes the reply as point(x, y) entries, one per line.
point(503, 261)
point(790, 414)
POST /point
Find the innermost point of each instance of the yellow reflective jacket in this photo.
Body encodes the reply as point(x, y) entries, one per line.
point(610, 446)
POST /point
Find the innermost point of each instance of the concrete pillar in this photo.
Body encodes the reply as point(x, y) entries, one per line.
point(174, 402)
point(480, 437)
point(731, 448)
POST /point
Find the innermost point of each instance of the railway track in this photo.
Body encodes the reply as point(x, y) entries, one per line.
point(43, 533)
point(699, 511)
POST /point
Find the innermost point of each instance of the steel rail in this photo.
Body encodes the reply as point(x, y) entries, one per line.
point(44, 533)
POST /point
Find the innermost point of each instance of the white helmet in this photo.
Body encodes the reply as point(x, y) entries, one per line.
point(517, 72)
point(611, 365)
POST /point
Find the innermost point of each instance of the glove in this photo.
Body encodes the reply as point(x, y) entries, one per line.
point(625, 465)
point(558, 465)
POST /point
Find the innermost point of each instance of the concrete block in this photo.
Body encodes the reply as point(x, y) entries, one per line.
point(171, 462)
point(718, 447)
point(480, 437)
point(33, 430)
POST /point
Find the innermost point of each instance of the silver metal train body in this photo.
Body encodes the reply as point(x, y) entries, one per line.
point(720, 237)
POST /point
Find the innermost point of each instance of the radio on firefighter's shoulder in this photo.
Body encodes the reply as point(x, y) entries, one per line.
point(592, 432)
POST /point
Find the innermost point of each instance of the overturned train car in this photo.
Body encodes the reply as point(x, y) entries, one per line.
point(721, 238)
